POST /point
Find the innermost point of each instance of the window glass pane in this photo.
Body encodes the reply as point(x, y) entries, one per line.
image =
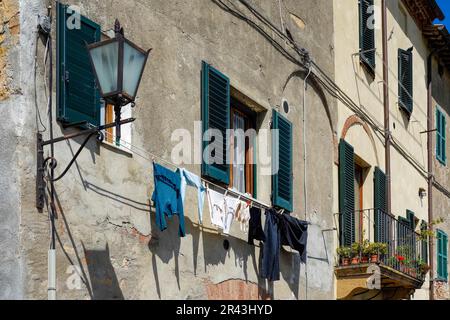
point(105, 59)
point(133, 63)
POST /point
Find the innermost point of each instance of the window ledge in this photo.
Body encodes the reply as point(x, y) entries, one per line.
point(367, 67)
point(115, 148)
point(443, 163)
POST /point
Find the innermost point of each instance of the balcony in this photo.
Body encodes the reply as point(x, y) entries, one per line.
point(384, 257)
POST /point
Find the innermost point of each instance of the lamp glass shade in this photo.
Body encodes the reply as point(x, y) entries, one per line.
point(133, 66)
point(105, 59)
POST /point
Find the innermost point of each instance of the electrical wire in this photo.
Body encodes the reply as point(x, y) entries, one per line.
point(38, 113)
point(331, 87)
point(153, 156)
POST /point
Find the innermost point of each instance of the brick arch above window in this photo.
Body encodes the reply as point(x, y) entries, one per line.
point(355, 120)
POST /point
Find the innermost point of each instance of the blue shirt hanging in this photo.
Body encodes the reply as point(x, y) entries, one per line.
point(167, 197)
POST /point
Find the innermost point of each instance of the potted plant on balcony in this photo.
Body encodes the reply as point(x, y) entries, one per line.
point(403, 252)
point(355, 252)
point(344, 254)
point(366, 251)
point(423, 267)
point(378, 249)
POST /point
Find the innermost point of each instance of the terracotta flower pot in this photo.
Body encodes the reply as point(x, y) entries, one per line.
point(355, 260)
point(374, 258)
point(345, 261)
point(364, 259)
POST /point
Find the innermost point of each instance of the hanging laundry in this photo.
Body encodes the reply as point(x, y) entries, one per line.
point(190, 179)
point(231, 205)
point(242, 214)
point(255, 230)
point(281, 230)
point(216, 202)
point(294, 233)
point(167, 197)
point(270, 268)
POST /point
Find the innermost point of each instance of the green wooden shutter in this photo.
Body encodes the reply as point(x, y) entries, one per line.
point(216, 115)
point(410, 215)
point(443, 140)
point(438, 134)
point(442, 255)
point(402, 231)
point(441, 146)
point(445, 255)
point(346, 193)
point(282, 195)
point(424, 244)
point(380, 205)
point(366, 33)
point(411, 239)
point(78, 98)
point(405, 78)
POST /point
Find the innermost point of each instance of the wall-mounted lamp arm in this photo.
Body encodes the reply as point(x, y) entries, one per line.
point(41, 163)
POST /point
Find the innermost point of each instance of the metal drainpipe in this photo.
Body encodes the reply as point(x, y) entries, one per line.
point(430, 168)
point(51, 288)
point(387, 134)
point(305, 193)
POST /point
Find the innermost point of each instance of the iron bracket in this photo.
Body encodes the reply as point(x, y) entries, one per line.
point(41, 163)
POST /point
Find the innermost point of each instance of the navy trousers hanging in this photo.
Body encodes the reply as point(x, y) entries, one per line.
point(270, 268)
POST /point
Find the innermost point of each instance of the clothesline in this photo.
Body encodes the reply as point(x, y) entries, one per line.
point(207, 182)
point(240, 195)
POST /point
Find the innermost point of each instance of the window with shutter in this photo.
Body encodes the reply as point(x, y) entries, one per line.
point(215, 116)
point(346, 193)
point(441, 144)
point(77, 95)
point(282, 151)
point(405, 80)
point(367, 33)
point(380, 205)
point(442, 255)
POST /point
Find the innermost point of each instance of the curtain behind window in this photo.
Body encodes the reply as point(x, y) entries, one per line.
point(239, 153)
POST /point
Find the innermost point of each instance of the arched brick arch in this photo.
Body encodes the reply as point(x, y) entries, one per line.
point(355, 120)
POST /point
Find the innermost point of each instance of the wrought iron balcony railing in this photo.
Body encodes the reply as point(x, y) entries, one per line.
point(371, 235)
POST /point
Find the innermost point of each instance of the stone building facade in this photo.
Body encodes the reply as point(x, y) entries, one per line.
point(297, 60)
point(105, 221)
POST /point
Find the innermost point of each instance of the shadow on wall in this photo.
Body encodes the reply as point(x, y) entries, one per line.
point(104, 283)
point(165, 245)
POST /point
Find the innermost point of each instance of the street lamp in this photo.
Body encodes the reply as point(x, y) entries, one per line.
point(118, 65)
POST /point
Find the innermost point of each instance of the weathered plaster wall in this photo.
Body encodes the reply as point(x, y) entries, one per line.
point(10, 267)
point(367, 91)
point(105, 223)
point(17, 37)
point(441, 199)
point(9, 37)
